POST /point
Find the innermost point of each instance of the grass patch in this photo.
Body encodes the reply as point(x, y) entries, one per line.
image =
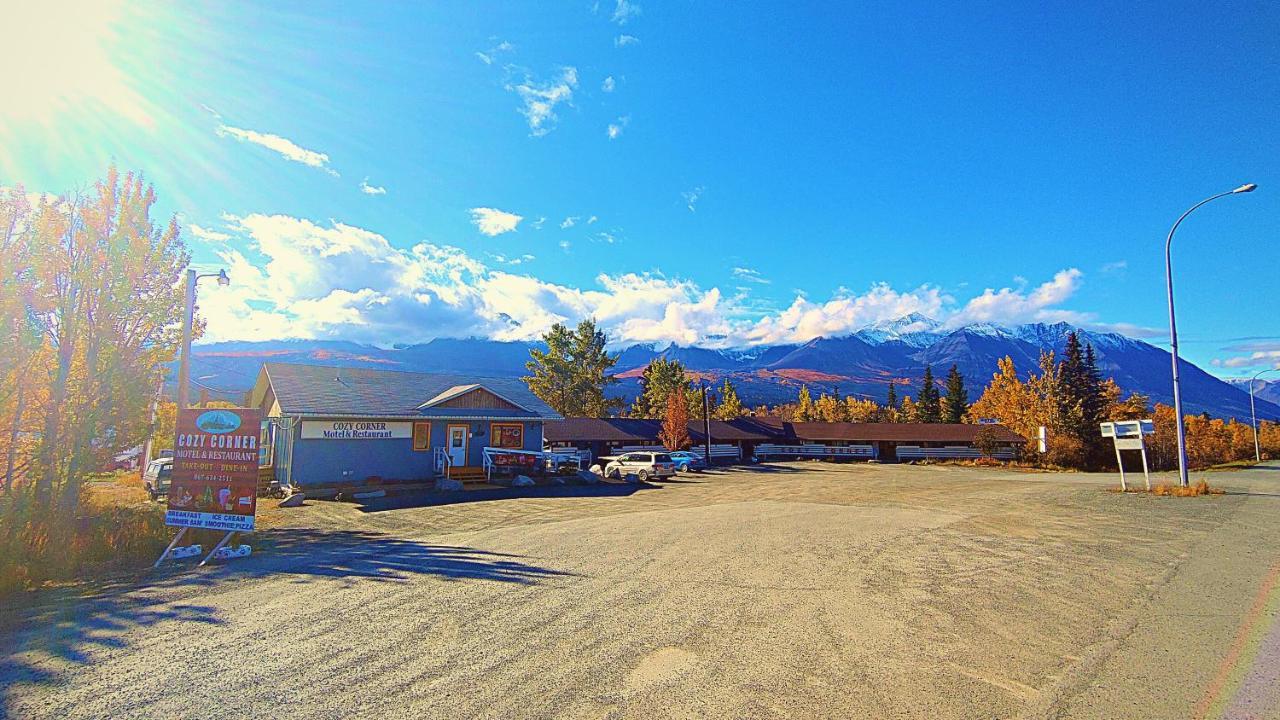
point(1200, 489)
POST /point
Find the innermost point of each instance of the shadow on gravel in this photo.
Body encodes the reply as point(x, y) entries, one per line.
point(40, 643)
point(374, 556)
point(432, 498)
point(60, 634)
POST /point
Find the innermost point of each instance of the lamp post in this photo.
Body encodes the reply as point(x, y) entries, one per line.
point(188, 319)
point(1257, 448)
point(1183, 480)
point(706, 422)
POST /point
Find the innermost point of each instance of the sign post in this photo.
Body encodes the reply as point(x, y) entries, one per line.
point(214, 484)
point(1130, 435)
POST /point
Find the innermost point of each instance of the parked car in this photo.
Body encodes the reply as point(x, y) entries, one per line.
point(686, 461)
point(644, 465)
point(156, 478)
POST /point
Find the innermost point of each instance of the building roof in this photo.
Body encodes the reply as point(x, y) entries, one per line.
point(327, 391)
point(622, 430)
point(769, 429)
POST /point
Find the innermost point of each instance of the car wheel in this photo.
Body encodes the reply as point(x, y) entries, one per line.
point(643, 475)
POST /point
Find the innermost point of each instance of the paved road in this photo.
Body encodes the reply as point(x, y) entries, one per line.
point(812, 591)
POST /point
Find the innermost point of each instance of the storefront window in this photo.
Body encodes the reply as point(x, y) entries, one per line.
point(508, 435)
point(421, 436)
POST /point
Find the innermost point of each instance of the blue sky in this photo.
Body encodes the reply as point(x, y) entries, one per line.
point(697, 172)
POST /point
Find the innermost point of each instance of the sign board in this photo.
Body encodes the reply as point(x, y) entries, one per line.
point(1129, 435)
point(356, 430)
point(215, 469)
point(988, 421)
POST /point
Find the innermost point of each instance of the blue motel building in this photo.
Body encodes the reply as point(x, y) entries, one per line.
point(332, 427)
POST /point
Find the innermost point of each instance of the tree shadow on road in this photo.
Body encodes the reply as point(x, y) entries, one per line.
point(374, 556)
point(63, 631)
point(432, 498)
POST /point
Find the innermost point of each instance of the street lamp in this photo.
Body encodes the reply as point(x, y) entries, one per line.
point(1183, 480)
point(1257, 449)
point(184, 368)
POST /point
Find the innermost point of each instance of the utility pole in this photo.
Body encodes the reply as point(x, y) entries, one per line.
point(1183, 479)
point(188, 320)
point(1253, 412)
point(706, 421)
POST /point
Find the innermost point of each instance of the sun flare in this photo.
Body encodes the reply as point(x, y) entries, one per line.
point(77, 70)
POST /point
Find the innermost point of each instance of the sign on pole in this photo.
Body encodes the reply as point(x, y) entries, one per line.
point(215, 469)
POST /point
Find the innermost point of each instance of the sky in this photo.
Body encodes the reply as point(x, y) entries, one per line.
point(697, 172)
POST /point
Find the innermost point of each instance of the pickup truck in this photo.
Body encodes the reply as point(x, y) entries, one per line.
point(644, 465)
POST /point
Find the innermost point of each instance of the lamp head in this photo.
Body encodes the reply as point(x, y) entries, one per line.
point(223, 279)
point(1247, 187)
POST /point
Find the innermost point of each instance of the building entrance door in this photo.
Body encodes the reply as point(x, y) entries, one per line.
point(458, 445)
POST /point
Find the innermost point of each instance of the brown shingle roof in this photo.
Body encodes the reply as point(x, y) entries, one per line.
point(767, 429)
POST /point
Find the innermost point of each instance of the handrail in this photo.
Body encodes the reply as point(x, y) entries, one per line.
point(444, 462)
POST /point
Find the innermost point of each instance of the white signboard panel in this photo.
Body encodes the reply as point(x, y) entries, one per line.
point(356, 430)
point(1129, 443)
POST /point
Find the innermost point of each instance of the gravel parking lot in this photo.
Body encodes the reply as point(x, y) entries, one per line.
point(805, 590)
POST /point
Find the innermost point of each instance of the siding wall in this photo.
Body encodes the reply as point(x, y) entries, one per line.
point(327, 462)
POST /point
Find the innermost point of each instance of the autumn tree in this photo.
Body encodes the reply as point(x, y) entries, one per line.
point(730, 406)
point(675, 422)
point(90, 309)
point(861, 410)
point(928, 403)
point(805, 411)
point(956, 402)
point(829, 408)
point(573, 374)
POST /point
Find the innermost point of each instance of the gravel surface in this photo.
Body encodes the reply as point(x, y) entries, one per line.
point(809, 590)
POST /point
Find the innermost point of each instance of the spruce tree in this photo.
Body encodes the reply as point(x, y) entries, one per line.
point(891, 399)
point(956, 403)
point(1076, 388)
point(928, 402)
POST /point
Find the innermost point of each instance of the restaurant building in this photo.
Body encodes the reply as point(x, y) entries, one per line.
point(331, 426)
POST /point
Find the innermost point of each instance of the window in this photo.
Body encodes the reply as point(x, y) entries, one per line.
point(508, 435)
point(421, 436)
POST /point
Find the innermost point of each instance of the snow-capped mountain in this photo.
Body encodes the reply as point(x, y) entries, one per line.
point(861, 364)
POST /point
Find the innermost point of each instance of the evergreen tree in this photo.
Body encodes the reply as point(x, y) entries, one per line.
point(956, 403)
point(929, 403)
point(1075, 386)
point(730, 406)
point(572, 374)
point(891, 398)
point(660, 379)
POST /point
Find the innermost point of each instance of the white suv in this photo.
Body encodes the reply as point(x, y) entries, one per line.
point(643, 465)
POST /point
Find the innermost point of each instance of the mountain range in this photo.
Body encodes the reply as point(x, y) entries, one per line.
point(860, 364)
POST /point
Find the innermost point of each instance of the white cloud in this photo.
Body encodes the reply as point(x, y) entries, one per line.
point(492, 221)
point(293, 278)
point(625, 40)
point(608, 84)
point(691, 197)
point(287, 149)
point(540, 99)
point(206, 234)
point(592, 220)
point(1008, 305)
point(747, 274)
point(569, 222)
point(624, 11)
point(537, 224)
point(1115, 267)
point(615, 128)
point(845, 313)
point(492, 53)
point(368, 189)
point(517, 260)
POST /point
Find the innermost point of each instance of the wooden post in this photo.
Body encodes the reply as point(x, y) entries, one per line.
point(172, 545)
point(216, 548)
point(1120, 463)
